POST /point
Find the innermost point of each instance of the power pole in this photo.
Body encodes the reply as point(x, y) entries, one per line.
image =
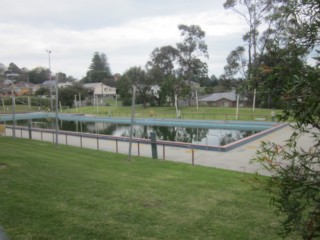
point(51, 101)
point(132, 120)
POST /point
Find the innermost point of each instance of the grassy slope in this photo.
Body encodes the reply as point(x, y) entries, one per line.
point(49, 192)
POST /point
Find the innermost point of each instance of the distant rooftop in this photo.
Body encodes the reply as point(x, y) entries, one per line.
point(218, 96)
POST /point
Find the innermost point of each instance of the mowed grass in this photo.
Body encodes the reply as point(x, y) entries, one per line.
point(64, 192)
point(217, 113)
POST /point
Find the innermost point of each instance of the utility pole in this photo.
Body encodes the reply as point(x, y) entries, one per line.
point(254, 100)
point(57, 108)
point(13, 104)
point(75, 102)
point(132, 120)
point(237, 111)
point(51, 101)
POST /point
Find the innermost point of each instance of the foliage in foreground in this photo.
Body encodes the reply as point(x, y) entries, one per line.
point(64, 192)
point(295, 184)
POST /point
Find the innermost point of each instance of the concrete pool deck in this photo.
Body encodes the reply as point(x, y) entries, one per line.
point(237, 159)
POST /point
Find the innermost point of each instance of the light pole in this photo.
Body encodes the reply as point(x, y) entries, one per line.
point(254, 99)
point(57, 100)
point(51, 102)
point(13, 104)
point(132, 120)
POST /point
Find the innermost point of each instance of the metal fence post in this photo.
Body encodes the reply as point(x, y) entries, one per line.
point(117, 146)
point(29, 129)
point(154, 145)
point(192, 150)
point(164, 152)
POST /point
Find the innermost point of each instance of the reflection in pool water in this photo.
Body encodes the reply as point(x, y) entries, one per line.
point(208, 137)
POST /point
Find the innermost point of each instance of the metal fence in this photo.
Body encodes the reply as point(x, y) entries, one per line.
point(141, 147)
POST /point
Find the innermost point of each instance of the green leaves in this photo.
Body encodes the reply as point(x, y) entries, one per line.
point(99, 69)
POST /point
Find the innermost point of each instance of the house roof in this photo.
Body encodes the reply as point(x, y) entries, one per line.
point(65, 84)
point(49, 82)
point(25, 84)
point(93, 85)
point(218, 96)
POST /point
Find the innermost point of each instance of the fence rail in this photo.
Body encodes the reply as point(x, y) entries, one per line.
point(178, 152)
point(119, 145)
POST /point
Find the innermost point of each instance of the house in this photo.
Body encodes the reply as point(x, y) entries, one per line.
point(48, 83)
point(5, 89)
point(19, 89)
point(225, 99)
point(100, 89)
point(25, 88)
point(64, 85)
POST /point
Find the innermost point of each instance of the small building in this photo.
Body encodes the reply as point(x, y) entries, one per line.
point(19, 88)
point(49, 83)
point(25, 88)
point(225, 99)
point(64, 85)
point(101, 89)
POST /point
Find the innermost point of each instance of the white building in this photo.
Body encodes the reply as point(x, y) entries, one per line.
point(64, 85)
point(101, 89)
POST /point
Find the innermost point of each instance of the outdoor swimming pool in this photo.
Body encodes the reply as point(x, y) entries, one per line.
point(210, 135)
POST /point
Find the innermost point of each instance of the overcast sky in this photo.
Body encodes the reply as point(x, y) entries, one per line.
point(127, 31)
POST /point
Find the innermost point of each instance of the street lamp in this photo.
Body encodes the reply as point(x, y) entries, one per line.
point(57, 100)
point(13, 104)
point(51, 102)
point(132, 120)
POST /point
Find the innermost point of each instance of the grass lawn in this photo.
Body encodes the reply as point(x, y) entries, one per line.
point(216, 113)
point(186, 112)
point(63, 192)
point(19, 108)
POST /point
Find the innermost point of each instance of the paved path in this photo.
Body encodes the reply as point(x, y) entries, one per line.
point(237, 159)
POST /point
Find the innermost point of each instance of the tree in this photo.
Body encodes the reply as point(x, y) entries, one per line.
point(124, 89)
point(165, 60)
point(2, 71)
point(237, 63)
point(277, 68)
point(173, 69)
point(253, 12)
point(99, 69)
point(303, 17)
point(21, 74)
point(295, 182)
point(13, 68)
point(66, 95)
point(62, 77)
point(39, 75)
point(42, 92)
point(285, 49)
point(164, 70)
point(190, 50)
point(173, 88)
point(139, 78)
